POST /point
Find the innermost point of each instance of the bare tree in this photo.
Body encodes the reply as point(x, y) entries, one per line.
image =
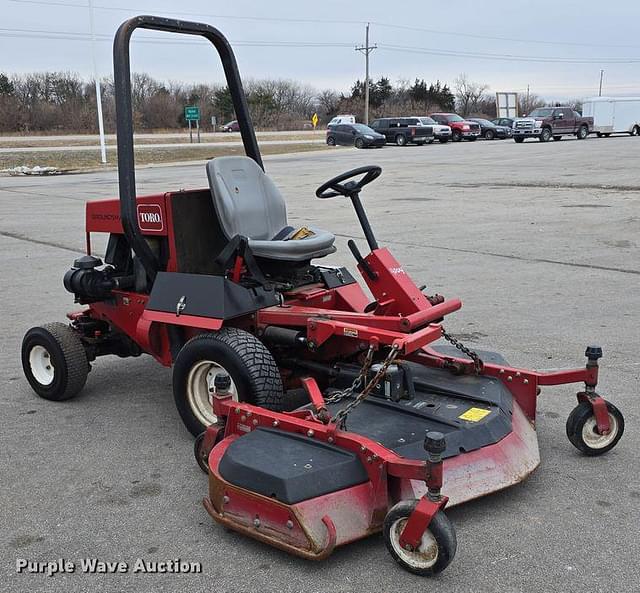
point(468, 94)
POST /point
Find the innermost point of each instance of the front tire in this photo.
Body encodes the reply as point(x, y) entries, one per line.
point(255, 377)
point(456, 136)
point(437, 548)
point(401, 140)
point(54, 361)
point(359, 143)
point(545, 135)
point(635, 131)
point(519, 139)
point(583, 434)
point(489, 135)
point(583, 132)
point(331, 141)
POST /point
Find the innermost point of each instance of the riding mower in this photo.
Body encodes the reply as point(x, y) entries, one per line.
point(322, 415)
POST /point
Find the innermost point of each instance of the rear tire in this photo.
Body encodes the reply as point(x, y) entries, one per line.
point(583, 132)
point(438, 546)
point(255, 377)
point(635, 131)
point(401, 140)
point(331, 141)
point(54, 361)
point(557, 138)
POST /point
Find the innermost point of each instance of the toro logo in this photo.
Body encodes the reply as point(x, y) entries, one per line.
point(150, 217)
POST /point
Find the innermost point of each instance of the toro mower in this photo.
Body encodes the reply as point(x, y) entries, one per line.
point(323, 415)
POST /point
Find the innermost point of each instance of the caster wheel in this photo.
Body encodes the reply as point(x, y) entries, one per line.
point(201, 453)
point(583, 432)
point(436, 550)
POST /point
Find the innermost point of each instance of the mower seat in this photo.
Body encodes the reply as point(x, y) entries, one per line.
point(248, 203)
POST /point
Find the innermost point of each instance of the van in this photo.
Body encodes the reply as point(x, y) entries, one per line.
point(612, 115)
point(342, 119)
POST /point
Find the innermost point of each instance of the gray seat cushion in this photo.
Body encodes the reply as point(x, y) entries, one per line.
point(248, 203)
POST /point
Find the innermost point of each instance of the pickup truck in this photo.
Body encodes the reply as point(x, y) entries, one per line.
point(545, 123)
point(461, 129)
point(403, 130)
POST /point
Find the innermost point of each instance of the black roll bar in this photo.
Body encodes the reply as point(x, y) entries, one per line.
point(124, 117)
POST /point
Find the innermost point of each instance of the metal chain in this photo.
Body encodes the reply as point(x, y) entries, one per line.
point(341, 416)
point(357, 382)
point(477, 361)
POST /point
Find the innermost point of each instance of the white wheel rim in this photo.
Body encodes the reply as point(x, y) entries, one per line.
point(41, 365)
point(424, 557)
point(593, 439)
point(200, 383)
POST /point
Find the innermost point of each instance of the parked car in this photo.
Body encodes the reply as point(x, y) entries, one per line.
point(461, 129)
point(612, 115)
point(490, 131)
point(441, 132)
point(357, 135)
point(342, 119)
point(403, 130)
point(232, 126)
point(503, 121)
point(545, 123)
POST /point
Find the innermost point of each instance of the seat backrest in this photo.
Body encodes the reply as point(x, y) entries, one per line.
point(246, 201)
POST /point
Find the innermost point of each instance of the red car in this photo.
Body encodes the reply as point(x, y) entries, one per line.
point(461, 129)
point(232, 126)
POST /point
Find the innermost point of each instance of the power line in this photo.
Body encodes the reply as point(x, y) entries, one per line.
point(330, 21)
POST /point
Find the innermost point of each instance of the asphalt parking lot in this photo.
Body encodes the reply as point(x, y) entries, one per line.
point(542, 243)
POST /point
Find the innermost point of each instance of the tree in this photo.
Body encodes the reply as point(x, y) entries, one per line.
point(468, 94)
point(6, 86)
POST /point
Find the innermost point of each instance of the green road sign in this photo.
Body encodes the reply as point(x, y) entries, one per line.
point(192, 113)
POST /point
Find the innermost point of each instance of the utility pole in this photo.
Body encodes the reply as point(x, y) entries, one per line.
point(528, 104)
point(366, 49)
point(600, 89)
point(103, 146)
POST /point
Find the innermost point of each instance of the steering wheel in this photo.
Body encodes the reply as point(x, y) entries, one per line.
point(336, 186)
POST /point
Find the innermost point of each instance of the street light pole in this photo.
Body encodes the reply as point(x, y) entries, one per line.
point(103, 146)
point(600, 89)
point(366, 49)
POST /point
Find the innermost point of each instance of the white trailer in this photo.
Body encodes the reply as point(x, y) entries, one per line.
point(612, 115)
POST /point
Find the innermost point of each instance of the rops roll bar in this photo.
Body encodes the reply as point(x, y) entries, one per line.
point(124, 117)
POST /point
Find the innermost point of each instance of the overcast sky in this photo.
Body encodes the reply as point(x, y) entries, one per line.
point(34, 36)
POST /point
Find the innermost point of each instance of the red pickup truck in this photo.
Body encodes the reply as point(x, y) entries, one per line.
point(545, 123)
point(461, 129)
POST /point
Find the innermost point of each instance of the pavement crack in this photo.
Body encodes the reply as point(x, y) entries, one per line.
point(536, 260)
point(20, 237)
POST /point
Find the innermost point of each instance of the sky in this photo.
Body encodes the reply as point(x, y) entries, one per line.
point(555, 48)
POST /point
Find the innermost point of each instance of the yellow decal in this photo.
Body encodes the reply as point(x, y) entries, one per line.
point(350, 332)
point(474, 414)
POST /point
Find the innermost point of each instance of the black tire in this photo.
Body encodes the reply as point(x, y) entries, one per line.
point(635, 131)
point(61, 347)
point(472, 138)
point(583, 132)
point(430, 141)
point(456, 136)
point(557, 138)
point(489, 135)
point(421, 142)
point(440, 528)
point(582, 433)
point(599, 134)
point(519, 139)
point(253, 371)
point(359, 143)
point(606, 135)
point(331, 141)
point(401, 140)
point(443, 140)
point(545, 135)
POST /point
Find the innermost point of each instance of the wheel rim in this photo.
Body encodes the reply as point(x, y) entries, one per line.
point(200, 389)
point(41, 365)
point(593, 439)
point(425, 556)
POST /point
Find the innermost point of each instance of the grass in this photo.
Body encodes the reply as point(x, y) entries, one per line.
point(79, 160)
point(177, 137)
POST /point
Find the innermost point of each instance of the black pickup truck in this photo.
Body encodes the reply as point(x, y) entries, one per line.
point(403, 130)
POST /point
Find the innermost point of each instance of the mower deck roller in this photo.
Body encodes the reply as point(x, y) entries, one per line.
point(321, 416)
